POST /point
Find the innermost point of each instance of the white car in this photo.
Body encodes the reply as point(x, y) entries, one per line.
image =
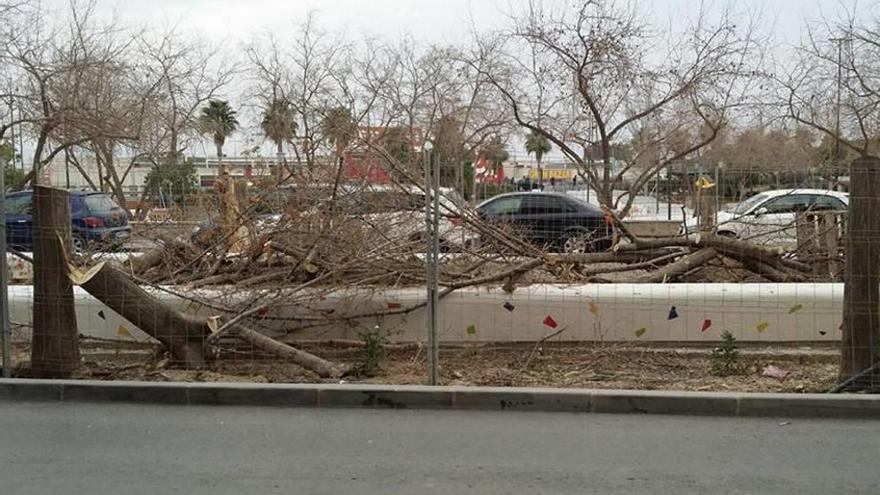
point(768, 218)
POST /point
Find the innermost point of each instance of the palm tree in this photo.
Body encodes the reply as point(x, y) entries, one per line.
point(539, 145)
point(218, 121)
point(339, 128)
point(279, 124)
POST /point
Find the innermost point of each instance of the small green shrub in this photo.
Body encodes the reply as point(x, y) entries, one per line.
point(725, 358)
point(373, 352)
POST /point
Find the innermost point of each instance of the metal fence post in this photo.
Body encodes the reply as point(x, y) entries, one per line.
point(4, 289)
point(431, 259)
point(435, 289)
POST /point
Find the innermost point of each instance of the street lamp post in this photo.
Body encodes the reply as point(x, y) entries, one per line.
point(839, 42)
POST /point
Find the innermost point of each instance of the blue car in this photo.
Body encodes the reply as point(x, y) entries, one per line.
point(96, 221)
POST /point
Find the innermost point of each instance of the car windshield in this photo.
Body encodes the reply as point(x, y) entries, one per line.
point(18, 205)
point(750, 203)
point(99, 203)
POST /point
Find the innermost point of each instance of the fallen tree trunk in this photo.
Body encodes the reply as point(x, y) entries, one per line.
point(220, 279)
point(772, 273)
point(322, 367)
point(184, 335)
point(732, 248)
point(153, 257)
point(643, 265)
point(681, 266)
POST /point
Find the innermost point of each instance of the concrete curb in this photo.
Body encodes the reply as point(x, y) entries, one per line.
point(460, 398)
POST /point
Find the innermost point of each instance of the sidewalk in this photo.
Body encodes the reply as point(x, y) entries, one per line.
point(450, 398)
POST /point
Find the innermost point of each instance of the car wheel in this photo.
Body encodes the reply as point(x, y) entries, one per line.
point(579, 241)
point(78, 244)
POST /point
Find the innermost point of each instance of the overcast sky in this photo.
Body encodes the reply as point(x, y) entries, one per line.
point(432, 21)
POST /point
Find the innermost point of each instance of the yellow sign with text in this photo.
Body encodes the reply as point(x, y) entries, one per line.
point(552, 173)
point(704, 183)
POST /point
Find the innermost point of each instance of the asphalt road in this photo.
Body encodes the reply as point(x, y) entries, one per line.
point(136, 449)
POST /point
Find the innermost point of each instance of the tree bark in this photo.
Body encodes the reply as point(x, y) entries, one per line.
point(55, 341)
point(184, 335)
point(540, 171)
point(681, 266)
point(323, 368)
point(146, 260)
point(106, 149)
point(860, 344)
point(733, 248)
point(98, 160)
point(75, 161)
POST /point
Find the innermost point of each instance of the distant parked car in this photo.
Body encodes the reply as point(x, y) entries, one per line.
point(768, 218)
point(95, 221)
point(551, 220)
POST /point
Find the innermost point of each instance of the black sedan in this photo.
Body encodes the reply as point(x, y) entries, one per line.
point(551, 220)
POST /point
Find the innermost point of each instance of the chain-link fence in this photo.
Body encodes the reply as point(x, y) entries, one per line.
point(315, 276)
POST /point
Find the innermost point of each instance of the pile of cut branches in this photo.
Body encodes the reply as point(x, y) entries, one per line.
point(329, 239)
point(342, 243)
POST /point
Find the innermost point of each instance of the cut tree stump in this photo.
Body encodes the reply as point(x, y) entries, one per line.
point(829, 229)
point(55, 341)
point(860, 344)
point(232, 196)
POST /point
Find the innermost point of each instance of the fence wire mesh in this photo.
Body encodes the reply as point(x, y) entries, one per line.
point(307, 274)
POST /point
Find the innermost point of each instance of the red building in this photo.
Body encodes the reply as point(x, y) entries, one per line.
point(362, 162)
point(487, 173)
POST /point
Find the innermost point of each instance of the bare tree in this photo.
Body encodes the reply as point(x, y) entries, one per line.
point(188, 73)
point(778, 154)
point(64, 72)
point(588, 76)
point(304, 74)
point(121, 92)
point(838, 58)
point(434, 94)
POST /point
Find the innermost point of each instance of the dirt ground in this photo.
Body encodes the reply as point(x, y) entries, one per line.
point(611, 366)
